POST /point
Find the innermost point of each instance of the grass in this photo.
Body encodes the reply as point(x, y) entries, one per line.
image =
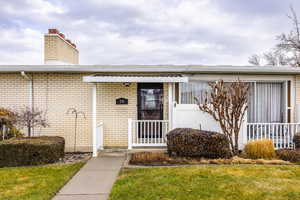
point(221, 182)
point(34, 183)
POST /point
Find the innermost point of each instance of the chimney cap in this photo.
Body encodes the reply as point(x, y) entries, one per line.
point(62, 35)
point(57, 32)
point(53, 31)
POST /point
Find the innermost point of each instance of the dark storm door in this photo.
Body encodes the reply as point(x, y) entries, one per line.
point(150, 107)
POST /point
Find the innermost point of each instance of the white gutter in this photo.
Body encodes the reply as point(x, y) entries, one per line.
point(202, 69)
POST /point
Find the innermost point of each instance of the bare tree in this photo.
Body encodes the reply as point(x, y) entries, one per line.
point(227, 104)
point(275, 58)
point(31, 118)
point(287, 51)
point(255, 59)
point(290, 43)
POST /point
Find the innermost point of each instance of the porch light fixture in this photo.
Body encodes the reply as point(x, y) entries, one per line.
point(126, 84)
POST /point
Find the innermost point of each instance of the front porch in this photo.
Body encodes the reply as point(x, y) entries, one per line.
point(134, 107)
point(173, 107)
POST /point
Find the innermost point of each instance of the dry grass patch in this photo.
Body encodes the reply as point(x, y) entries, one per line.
point(162, 159)
point(260, 149)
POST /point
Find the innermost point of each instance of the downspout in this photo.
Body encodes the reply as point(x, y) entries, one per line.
point(30, 87)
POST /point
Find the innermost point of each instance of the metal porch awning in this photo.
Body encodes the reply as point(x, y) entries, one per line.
point(135, 79)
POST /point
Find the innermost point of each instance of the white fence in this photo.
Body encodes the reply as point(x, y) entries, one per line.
point(147, 133)
point(190, 116)
point(282, 134)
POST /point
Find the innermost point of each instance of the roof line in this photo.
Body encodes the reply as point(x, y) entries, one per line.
point(151, 68)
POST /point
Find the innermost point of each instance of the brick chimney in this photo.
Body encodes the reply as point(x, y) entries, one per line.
point(58, 49)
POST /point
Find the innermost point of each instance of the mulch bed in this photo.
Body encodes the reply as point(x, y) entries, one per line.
point(71, 158)
point(152, 159)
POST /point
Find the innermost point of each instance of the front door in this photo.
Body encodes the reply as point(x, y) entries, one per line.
point(150, 101)
point(150, 107)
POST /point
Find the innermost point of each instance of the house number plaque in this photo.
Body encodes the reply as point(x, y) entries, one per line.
point(121, 101)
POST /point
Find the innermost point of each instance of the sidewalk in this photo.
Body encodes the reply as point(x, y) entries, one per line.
point(94, 180)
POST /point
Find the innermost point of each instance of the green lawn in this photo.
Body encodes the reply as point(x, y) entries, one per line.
point(238, 182)
point(34, 183)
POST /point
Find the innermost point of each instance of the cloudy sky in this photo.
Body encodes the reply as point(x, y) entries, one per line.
point(144, 31)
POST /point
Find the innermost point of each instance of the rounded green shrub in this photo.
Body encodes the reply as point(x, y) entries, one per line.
point(289, 155)
point(31, 151)
point(296, 140)
point(189, 142)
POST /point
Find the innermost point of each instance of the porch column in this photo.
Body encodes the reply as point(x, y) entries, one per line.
point(170, 95)
point(129, 134)
point(94, 119)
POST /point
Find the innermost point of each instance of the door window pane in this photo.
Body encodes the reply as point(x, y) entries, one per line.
point(151, 99)
point(150, 105)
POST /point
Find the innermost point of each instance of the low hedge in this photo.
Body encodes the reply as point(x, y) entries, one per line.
point(197, 143)
point(31, 151)
point(289, 155)
point(296, 140)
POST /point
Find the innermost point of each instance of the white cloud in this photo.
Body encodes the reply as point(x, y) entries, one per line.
point(21, 46)
point(141, 31)
point(42, 7)
point(38, 8)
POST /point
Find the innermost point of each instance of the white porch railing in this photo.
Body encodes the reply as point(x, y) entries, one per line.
point(282, 134)
point(147, 133)
point(3, 132)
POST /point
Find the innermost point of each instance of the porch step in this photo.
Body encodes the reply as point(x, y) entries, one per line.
point(122, 152)
point(136, 150)
point(112, 152)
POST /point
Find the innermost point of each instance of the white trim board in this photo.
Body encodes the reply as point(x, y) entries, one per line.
point(135, 79)
point(250, 78)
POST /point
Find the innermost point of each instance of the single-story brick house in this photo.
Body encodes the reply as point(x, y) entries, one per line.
point(131, 106)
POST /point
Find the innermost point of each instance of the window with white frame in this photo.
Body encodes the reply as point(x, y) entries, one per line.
point(267, 100)
point(192, 90)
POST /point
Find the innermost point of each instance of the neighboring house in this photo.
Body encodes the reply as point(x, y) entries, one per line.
point(129, 106)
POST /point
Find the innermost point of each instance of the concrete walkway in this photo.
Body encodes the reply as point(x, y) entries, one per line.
point(94, 180)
